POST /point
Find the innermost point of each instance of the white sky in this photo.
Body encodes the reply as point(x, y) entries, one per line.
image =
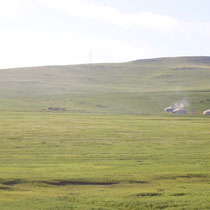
point(53, 32)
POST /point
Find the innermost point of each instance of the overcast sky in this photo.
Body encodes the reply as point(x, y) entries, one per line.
point(49, 32)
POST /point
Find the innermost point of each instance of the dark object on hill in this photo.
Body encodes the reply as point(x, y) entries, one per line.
point(56, 109)
point(100, 106)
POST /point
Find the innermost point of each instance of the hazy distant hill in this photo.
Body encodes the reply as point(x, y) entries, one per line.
point(141, 86)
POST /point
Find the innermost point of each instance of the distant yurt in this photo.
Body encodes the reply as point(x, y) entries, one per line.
point(169, 109)
point(207, 112)
point(179, 111)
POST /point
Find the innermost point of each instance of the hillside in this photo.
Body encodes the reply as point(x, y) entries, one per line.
point(142, 86)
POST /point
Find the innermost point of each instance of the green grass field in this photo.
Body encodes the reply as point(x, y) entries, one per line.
point(94, 161)
point(144, 86)
point(114, 147)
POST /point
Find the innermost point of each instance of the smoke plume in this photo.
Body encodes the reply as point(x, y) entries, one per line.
point(181, 104)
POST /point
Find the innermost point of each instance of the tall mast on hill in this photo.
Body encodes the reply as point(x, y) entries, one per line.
point(90, 56)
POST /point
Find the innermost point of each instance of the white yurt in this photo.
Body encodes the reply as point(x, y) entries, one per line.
point(207, 112)
point(169, 109)
point(180, 111)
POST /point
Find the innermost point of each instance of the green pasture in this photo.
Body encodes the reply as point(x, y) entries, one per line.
point(114, 147)
point(111, 103)
point(97, 161)
point(140, 87)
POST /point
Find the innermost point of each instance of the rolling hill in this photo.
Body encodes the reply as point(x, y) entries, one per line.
point(141, 86)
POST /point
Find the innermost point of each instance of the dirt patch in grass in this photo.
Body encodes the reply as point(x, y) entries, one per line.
point(178, 194)
point(12, 182)
point(71, 182)
point(192, 176)
point(7, 183)
point(148, 194)
point(4, 188)
point(184, 176)
point(138, 182)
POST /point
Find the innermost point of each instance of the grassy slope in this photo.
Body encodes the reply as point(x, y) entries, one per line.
point(144, 86)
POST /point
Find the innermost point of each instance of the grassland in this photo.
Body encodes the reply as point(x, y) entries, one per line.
point(114, 147)
point(94, 161)
point(144, 86)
